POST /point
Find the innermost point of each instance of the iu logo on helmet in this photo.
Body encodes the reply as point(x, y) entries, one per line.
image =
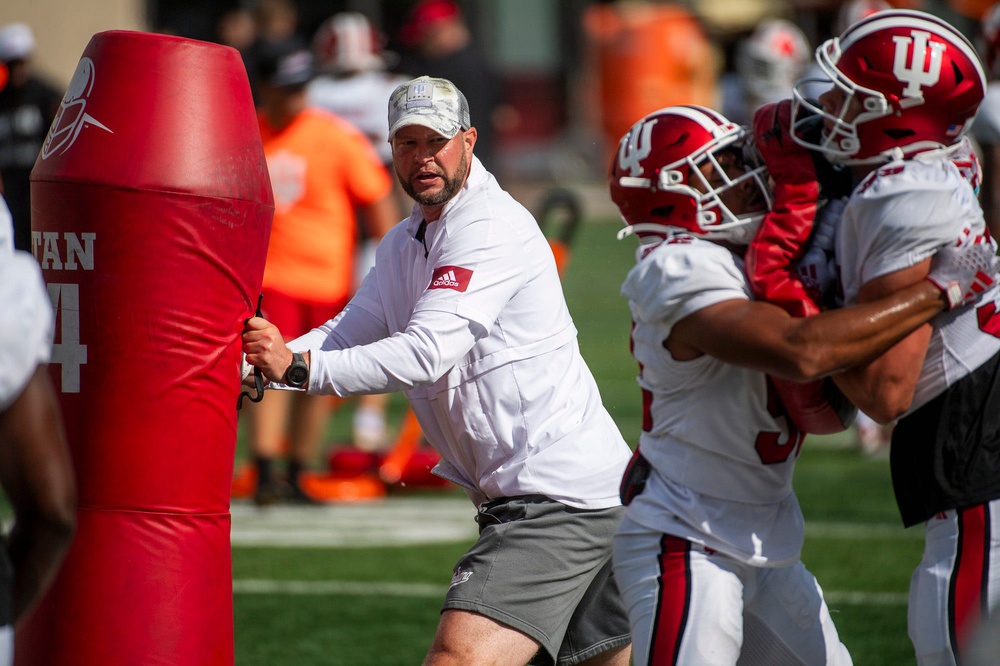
point(635, 147)
point(920, 70)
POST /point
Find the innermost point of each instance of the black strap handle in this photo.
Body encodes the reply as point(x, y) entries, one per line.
point(258, 376)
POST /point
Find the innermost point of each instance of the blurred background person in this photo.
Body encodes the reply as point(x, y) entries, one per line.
point(274, 21)
point(965, 15)
point(353, 83)
point(438, 43)
point(849, 13)
point(986, 128)
point(237, 28)
point(321, 169)
point(853, 11)
point(767, 62)
point(28, 103)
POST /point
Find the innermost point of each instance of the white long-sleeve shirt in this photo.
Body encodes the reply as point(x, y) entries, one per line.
point(472, 325)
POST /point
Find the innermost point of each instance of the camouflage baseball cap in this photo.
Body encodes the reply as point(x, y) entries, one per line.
point(433, 103)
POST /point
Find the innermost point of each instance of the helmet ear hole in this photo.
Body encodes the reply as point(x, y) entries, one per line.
point(662, 211)
point(671, 177)
point(959, 77)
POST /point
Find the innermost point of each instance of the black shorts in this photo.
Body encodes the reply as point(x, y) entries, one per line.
point(946, 454)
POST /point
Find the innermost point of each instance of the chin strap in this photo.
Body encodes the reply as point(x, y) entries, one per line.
point(661, 232)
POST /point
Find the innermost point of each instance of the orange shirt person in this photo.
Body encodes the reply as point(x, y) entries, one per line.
point(323, 172)
point(321, 168)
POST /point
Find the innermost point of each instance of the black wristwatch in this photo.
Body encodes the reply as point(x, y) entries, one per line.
point(298, 372)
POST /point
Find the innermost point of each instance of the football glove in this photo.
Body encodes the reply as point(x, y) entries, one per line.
point(965, 269)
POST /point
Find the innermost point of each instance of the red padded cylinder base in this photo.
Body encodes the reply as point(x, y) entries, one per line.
point(125, 594)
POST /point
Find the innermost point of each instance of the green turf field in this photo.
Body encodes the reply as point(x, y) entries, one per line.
point(378, 605)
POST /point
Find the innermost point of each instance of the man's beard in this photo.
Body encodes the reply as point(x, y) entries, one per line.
point(450, 188)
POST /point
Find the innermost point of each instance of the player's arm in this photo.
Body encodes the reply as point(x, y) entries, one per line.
point(379, 216)
point(370, 184)
point(764, 337)
point(37, 476)
point(883, 387)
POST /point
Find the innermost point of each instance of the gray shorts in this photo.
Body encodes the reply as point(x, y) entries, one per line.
point(544, 569)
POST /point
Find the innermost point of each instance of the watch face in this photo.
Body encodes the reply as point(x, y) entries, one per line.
point(298, 372)
point(297, 375)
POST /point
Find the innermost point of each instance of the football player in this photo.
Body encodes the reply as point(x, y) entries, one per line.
point(905, 88)
point(707, 556)
point(35, 469)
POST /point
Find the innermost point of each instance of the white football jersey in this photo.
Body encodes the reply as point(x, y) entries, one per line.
point(898, 216)
point(25, 323)
point(722, 451)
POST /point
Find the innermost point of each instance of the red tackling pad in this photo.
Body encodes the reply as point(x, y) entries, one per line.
point(151, 210)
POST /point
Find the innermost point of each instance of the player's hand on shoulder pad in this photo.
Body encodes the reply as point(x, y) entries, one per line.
point(965, 269)
point(817, 269)
point(817, 272)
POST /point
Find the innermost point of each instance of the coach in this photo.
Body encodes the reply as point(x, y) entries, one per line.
point(464, 312)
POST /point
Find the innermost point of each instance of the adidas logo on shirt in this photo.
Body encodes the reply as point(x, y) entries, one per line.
point(451, 277)
point(446, 280)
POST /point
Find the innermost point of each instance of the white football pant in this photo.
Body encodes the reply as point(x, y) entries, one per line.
point(691, 606)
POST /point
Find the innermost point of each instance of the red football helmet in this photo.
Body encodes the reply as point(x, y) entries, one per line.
point(654, 176)
point(772, 59)
point(347, 42)
point(916, 80)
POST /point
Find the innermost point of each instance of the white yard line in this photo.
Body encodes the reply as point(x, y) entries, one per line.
point(430, 590)
point(386, 522)
point(854, 598)
point(412, 520)
point(338, 587)
point(862, 531)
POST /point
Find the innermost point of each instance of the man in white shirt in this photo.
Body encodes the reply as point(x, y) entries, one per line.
point(464, 312)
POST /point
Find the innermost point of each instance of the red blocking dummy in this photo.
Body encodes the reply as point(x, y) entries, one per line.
point(151, 212)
